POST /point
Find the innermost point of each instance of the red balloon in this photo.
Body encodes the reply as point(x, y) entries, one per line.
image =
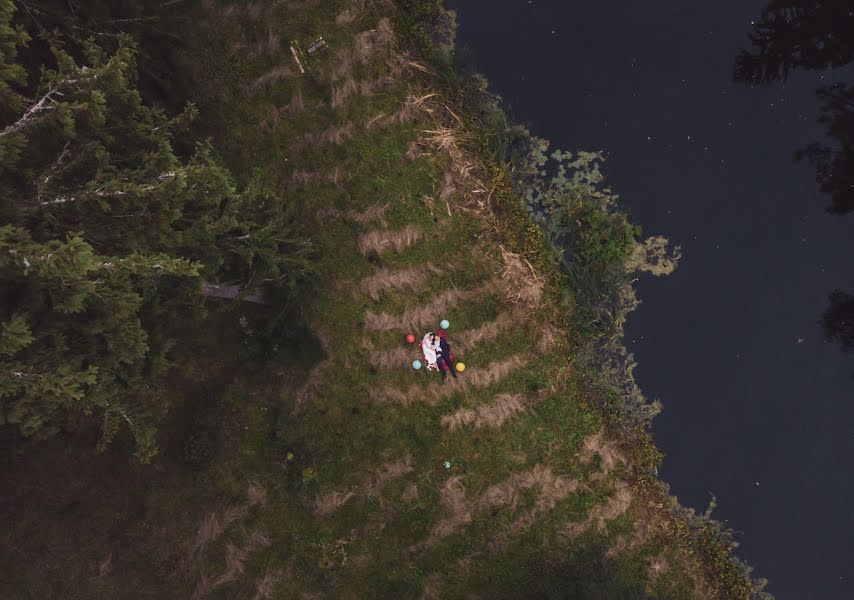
point(410, 339)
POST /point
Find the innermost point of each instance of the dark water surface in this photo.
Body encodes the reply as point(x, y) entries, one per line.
point(759, 409)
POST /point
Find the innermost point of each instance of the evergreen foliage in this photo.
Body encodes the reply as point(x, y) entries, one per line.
point(108, 232)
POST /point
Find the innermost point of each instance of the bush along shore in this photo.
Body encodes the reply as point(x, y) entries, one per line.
point(240, 212)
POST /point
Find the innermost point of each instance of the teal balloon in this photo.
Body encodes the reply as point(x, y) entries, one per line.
point(416, 364)
point(444, 324)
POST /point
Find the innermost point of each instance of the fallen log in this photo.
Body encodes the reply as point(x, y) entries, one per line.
point(232, 292)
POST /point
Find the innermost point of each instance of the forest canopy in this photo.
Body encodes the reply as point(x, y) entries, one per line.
point(107, 234)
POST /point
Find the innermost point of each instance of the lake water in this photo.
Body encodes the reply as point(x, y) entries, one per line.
point(759, 409)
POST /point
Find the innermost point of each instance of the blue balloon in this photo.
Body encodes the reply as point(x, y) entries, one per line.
point(444, 324)
point(416, 364)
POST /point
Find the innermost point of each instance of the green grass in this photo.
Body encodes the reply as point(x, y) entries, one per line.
point(344, 433)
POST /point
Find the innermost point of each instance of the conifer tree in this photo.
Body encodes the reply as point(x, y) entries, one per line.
point(104, 225)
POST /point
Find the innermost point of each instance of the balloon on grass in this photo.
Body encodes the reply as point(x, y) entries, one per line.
point(410, 339)
point(460, 367)
point(444, 324)
point(416, 364)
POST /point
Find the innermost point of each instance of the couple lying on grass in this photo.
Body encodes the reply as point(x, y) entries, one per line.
point(437, 353)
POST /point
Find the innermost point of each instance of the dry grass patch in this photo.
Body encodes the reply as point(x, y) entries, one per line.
point(235, 561)
point(448, 187)
point(336, 134)
point(399, 356)
point(334, 176)
point(432, 589)
point(364, 217)
point(327, 214)
point(256, 494)
point(266, 585)
point(473, 376)
point(392, 359)
point(367, 43)
point(657, 566)
point(617, 504)
point(296, 105)
point(404, 280)
point(453, 498)
point(372, 214)
point(213, 525)
point(469, 338)
point(394, 69)
point(328, 503)
point(410, 494)
point(415, 318)
point(413, 150)
point(341, 92)
point(408, 113)
point(642, 531)
point(392, 395)
point(552, 488)
point(503, 408)
point(598, 444)
point(382, 240)
point(465, 174)
point(549, 336)
point(432, 393)
point(495, 372)
point(523, 284)
point(385, 473)
point(349, 14)
point(272, 117)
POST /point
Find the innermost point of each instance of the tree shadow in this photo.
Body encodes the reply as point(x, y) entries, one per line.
point(814, 35)
point(838, 320)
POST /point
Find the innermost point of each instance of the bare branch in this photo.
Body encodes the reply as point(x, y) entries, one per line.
point(53, 169)
point(101, 193)
point(46, 103)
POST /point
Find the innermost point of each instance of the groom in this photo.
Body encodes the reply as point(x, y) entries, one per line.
point(444, 360)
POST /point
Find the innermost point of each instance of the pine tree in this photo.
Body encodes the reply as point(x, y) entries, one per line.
point(108, 224)
point(74, 342)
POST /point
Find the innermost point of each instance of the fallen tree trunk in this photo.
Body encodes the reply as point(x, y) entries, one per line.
point(231, 292)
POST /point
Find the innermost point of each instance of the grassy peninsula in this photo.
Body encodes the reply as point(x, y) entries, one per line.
point(297, 454)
